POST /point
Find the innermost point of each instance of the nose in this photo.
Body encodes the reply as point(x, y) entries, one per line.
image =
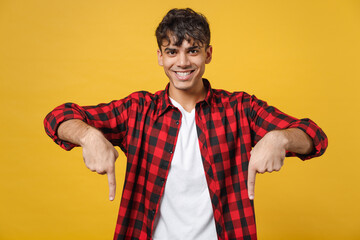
point(183, 60)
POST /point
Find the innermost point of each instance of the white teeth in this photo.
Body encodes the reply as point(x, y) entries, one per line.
point(183, 73)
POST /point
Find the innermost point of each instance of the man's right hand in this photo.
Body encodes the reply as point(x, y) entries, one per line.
point(98, 153)
point(100, 156)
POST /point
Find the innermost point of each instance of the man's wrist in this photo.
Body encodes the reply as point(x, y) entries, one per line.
point(281, 138)
point(89, 135)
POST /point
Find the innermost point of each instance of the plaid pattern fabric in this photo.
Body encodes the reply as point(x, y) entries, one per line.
point(145, 126)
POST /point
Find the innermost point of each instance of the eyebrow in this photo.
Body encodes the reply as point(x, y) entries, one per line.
point(189, 48)
point(169, 49)
point(193, 47)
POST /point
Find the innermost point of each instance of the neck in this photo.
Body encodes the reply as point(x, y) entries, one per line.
point(187, 99)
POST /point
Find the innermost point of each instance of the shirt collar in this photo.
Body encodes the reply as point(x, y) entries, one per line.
point(165, 102)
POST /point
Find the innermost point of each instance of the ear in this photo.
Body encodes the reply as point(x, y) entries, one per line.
point(208, 53)
point(160, 57)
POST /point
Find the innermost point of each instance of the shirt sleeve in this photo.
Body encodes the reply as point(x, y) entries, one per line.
point(109, 118)
point(264, 118)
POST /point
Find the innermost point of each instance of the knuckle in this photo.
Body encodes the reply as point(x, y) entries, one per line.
point(100, 170)
point(90, 167)
point(252, 166)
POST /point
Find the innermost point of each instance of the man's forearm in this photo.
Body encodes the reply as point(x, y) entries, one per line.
point(75, 131)
point(269, 153)
point(98, 153)
point(296, 140)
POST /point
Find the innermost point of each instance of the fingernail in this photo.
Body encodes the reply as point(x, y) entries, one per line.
point(111, 198)
point(251, 197)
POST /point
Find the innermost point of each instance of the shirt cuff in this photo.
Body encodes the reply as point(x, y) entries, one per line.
point(55, 118)
point(317, 135)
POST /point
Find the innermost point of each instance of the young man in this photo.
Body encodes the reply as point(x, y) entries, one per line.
point(192, 151)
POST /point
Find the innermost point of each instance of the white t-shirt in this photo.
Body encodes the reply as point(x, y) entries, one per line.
point(185, 208)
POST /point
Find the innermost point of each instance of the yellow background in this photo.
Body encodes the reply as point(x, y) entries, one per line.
point(301, 56)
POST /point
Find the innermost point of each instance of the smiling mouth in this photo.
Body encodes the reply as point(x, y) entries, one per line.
point(183, 74)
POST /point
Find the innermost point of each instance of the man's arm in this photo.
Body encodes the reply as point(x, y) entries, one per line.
point(96, 128)
point(269, 153)
point(98, 153)
point(111, 119)
point(275, 135)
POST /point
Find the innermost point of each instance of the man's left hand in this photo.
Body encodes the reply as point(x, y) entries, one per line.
point(267, 155)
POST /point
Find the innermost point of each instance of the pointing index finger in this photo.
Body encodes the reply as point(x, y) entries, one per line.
point(112, 183)
point(251, 182)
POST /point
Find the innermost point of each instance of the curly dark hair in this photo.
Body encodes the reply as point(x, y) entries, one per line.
point(183, 24)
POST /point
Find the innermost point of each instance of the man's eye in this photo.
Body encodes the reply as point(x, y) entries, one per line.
point(171, 52)
point(193, 51)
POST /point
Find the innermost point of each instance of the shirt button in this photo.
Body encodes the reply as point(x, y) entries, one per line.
point(162, 180)
point(153, 212)
point(177, 122)
point(171, 151)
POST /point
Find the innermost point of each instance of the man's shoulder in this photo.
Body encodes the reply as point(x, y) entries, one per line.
point(144, 97)
point(225, 95)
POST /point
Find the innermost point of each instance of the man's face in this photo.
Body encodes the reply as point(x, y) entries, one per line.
point(184, 65)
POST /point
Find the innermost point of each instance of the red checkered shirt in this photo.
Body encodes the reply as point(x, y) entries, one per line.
point(145, 126)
